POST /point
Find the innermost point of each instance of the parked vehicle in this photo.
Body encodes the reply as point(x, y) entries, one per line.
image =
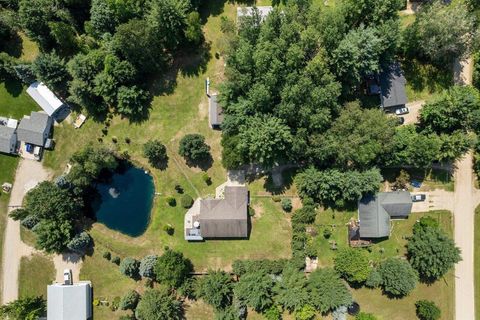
point(418, 197)
point(401, 111)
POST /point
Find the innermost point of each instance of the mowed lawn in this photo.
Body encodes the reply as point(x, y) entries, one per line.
point(36, 273)
point(14, 101)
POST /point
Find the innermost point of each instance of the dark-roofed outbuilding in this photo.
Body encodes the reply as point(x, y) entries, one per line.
point(375, 212)
point(392, 87)
point(215, 111)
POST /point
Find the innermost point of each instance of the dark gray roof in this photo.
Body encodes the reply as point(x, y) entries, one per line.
point(375, 212)
point(8, 138)
point(69, 302)
point(215, 111)
point(392, 84)
point(225, 218)
point(35, 129)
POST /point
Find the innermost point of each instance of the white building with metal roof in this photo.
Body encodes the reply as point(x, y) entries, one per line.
point(45, 98)
point(69, 302)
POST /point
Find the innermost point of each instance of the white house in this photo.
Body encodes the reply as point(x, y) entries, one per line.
point(70, 301)
point(45, 98)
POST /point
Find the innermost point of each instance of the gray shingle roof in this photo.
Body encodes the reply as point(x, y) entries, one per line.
point(35, 129)
point(392, 84)
point(8, 139)
point(375, 212)
point(225, 218)
point(215, 111)
point(69, 302)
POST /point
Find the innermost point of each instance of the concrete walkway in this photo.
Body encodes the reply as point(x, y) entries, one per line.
point(29, 174)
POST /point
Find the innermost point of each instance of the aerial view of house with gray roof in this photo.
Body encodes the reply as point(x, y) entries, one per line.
point(376, 211)
point(35, 129)
point(221, 217)
point(392, 87)
point(8, 140)
point(69, 301)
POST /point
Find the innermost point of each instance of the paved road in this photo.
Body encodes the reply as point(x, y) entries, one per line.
point(29, 174)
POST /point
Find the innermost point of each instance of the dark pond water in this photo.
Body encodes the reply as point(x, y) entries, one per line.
point(126, 202)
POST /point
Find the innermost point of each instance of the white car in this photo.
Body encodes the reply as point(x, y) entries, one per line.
point(401, 111)
point(67, 277)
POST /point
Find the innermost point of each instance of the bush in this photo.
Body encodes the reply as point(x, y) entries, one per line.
point(130, 267)
point(398, 277)
point(179, 188)
point(107, 255)
point(129, 300)
point(147, 266)
point(168, 228)
point(273, 313)
point(427, 310)
point(116, 260)
point(193, 148)
point(115, 304)
point(424, 223)
point(155, 152)
point(171, 201)
point(172, 268)
point(80, 242)
point(287, 204)
point(374, 279)
point(352, 264)
point(30, 222)
point(186, 201)
point(96, 302)
point(365, 316)
point(276, 199)
point(251, 211)
point(206, 178)
point(327, 233)
point(304, 215)
point(149, 283)
point(307, 312)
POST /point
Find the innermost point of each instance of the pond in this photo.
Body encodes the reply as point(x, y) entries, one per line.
point(126, 201)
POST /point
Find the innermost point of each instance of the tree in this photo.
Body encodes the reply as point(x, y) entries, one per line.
point(427, 310)
point(216, 289)
point(327, 290)
point(80, 242)
point(193, 31)
point(398, 277)
point(353, 265)
point(51, 69)
point(291, 290)
point(370, 12)
point(155, 152)
point(158, 304)
point(333, 187)
point(305, 215)
point(130, 300)
point(167, 18)
point(147, 266)
point(172, 268)
point(255, 290)
point(65, 37)
point(132, 101)
point(432, 253)
point(27, 308)
point(34, 16)
point(53, 235)
point(265, 140)
point(102, 17)
point(441, 32)
point(453, 110)
point(129, 267)
point(193, 148)
point(186, 201)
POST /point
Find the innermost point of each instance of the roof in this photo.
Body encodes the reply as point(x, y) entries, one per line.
point(392, 84)
point(215, 111)
point(69, 302)
point(375, 212)
point(35, 128)
point(7, 136)
point(263, 11)
point(45, 98)
point(225, 218)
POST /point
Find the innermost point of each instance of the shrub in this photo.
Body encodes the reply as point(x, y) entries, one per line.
point(273, 313)
point(365, 316)
point(115, 304)
point(172, 268)
point(287, 204)
point(30, 222)
point(374, 279)
point(193, 147)
point(155, 152)
point(114, 139)
point(251, 211)
point(398, 277)
point(427, 310)
point(149, 283)
point(168, 228)
point(80, 242)
point(187, 289)
point(116, 260)
point(276, 199)
point(307, 312)
point(96, 302)
point(352, 264)
point(186, 201)
point(127, 140)
point(171, 201)
point(129, 267)
point(327, 233)
point(129, 300)
point(107, 255)
point(425, 223)
point(179, 188)
point(206, 178)
point(305, 215)
point(147, 266)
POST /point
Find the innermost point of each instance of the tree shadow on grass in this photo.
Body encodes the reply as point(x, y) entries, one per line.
point(423, 76)
point(14, 46)
point(204, 164)
point(13, 87)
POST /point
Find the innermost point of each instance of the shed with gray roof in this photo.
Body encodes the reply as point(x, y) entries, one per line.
point(35, 129)
point(69, 302)
point(392, 87)
point(215, 111)
point(8, 140)
point(376, 211)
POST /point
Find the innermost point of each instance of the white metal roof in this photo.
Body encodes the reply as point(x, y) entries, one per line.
point(45, 98)
point(69, 302)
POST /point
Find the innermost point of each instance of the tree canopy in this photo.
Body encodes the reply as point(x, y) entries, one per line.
point(327, 291)
point(158, 304)
point(255, 289)
point(172, 268)
point(216, 289)
point(353, 265)
point(398, 277)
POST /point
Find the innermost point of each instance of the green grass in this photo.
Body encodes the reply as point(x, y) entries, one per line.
point(14, 101)
point(36, 272)
point(431, 179)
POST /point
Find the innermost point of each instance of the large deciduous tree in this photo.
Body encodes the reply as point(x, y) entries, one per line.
point(327, 290)
point(291, 290)
point(158, 304)
point(52, 70)
point(255, 290)
point(172, 268)
point(216, 289)
point(398, 277)
point(27, 308)
point(353, 265)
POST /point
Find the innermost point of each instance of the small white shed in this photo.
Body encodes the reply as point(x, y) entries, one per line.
point(45, 98)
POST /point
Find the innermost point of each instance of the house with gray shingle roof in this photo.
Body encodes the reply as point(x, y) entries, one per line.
point(225, 217)
point(376, 211)
point(35, 129)
point(8, 140)
point(392, 87)
point(69, 301)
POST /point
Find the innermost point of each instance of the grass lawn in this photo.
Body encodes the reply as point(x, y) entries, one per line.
point(14, 101)
point(36, 272)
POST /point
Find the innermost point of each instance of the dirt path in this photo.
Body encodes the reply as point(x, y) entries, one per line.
point(28, 175)
point(463, 71)
point(464, 206)
point(414, 111)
